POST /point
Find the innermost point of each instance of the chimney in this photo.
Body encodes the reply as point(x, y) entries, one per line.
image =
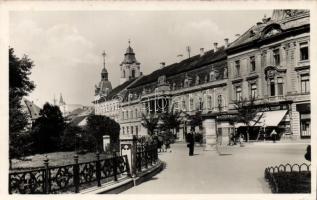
point(215, 46)
point(202, 51)
point(162, 64)
point(226, 42)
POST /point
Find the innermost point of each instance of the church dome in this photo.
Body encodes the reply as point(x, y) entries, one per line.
point(129, 56)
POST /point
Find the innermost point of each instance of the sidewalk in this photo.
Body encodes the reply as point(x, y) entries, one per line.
point(207, 172)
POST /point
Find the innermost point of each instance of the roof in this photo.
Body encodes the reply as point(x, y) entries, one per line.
point(104, 70)
point(119, 88)
point(278, 21)
point(129, 57)
point(183, 66)
point(33, 110)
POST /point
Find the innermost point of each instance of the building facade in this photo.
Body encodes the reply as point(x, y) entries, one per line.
point(269, 62)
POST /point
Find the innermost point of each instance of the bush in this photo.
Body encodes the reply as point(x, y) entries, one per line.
point(293, 182)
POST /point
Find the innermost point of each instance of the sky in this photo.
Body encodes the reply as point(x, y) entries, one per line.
point(66, 46)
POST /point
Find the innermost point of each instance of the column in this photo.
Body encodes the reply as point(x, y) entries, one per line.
point(209, 128)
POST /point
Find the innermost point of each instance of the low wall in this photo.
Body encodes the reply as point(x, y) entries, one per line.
point(126, 183)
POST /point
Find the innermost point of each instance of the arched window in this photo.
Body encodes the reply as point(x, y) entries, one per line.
point(212, 76)
point(123, 73)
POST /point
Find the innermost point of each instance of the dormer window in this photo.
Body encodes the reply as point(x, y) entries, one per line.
point(212, 75)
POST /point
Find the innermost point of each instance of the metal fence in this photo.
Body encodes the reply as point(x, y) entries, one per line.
point(146, 156)
point(270, 173)
point(69, 177)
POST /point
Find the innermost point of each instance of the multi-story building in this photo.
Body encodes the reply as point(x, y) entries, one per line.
point(269, 62)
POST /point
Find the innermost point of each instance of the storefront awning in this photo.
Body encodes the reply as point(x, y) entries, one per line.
point(237, 125)
point(269, 118)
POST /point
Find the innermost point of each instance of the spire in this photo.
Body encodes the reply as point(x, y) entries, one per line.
point(104, 58)
point(129, 41)
point(61, 100)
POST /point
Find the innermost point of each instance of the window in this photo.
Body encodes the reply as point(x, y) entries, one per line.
point(304, 51)
point(212, 76)
point(279, 86)
point(253, 91)
point(220, 102)
point(136, 113)
point(252, 63)
point(238, 93)
point(131, 130)
point(276, 56)
point(136, 130)
point(123, 130)
point(209, 102)
point(133, 73)
point(272, 87)
point(127, 115)
point(237, 66)
point(191, 103)
point(305, 86)
point(128, 130)
point(184, 104)
point(201, 104)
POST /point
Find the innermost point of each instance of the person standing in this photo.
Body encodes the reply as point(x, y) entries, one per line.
point(274, 134)
point(191, 143)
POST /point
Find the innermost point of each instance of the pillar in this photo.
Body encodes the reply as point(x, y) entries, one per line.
point(128, 146)
point(209, 126)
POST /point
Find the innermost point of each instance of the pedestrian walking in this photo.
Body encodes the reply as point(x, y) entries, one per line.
point(273, 135)
point(191, 143)
point(241, 140)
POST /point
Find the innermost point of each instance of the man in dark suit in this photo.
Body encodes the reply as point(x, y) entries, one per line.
point(191, 143)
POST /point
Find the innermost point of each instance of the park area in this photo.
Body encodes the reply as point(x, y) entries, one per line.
point(55, 159)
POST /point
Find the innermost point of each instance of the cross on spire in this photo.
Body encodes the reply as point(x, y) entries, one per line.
point(104, 59)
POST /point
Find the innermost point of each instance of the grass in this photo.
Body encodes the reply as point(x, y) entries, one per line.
point(55, 159)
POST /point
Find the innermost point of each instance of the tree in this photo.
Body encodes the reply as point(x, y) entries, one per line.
point(98, 126)
point(196, 120)
point(248, 113)
point(150, 123)
point(172, 119)
point(48, 129)
point(19, 86)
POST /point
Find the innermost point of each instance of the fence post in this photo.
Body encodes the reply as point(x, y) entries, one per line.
point(76, 173)
point(47, 176)
point(127, 165)
point(98, 170)
point(115, 168)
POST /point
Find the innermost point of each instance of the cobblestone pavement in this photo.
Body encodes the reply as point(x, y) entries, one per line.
point(207, 172)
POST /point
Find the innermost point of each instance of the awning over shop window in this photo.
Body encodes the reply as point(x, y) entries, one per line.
point(269, 118)
point(237, 125)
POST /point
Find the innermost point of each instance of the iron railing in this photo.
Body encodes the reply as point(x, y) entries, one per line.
point(69, 177)
point(146, 156)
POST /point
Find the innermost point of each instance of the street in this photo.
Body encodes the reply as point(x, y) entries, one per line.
point(207, 172)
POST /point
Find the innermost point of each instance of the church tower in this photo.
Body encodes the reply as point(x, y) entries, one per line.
point(130, 67)
point(104, 87)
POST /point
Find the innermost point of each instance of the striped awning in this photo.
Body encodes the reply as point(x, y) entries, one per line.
point(268, 118)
